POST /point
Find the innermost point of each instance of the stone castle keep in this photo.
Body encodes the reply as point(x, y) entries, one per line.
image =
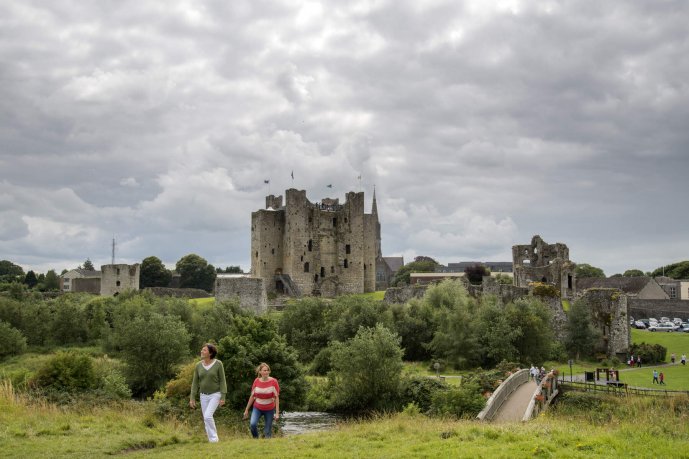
point(304, 248)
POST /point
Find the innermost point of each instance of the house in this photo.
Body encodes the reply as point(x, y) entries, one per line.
point(676, 289)
point(493, 266)
point(386, 268)
point(641, 287)
point(81, 280)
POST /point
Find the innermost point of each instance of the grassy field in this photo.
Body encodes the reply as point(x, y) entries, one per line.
point(202, 301)
point(658, 429)
point(677, 342)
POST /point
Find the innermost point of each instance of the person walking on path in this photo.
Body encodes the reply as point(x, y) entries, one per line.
point(673, 357)
point(661, 376)
point(655, 377)
point(265, 398)
point(638, 361)
point(684, 359)
point(209, 381)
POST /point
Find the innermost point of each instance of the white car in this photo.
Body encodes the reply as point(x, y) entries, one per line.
point(668, 327)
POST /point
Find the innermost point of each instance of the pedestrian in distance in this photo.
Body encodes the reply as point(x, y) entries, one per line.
point(683, 359)
point(672, 357)
point(638, 361)
point(210, 385)
point(661, 377)
point(655, 377)
point(265, 399)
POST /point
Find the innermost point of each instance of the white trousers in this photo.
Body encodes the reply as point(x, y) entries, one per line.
point(209, 403)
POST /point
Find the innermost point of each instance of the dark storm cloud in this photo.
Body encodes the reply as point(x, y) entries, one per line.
point(479, 123)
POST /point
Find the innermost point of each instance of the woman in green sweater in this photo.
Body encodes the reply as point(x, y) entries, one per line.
point(209, 380)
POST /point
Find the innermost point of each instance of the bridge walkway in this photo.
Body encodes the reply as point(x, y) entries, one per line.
point(514, 408)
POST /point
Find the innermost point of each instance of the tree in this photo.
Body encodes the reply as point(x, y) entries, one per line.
point(633, 273)
point(678, 270)
point(52, 282)
point(12, 342)
point(88, 265)
point(497, 334)
point(582, 337)
point(195, 272)
point(152, 345)
point(30, 279)
point(475, 273)
point(536, 339)
point(153, 273)
point(304, 325)
point(254, 340)
point(366, 371)
point(586, 270)
point(230, 270)
point(9, 272)
point(420, 264)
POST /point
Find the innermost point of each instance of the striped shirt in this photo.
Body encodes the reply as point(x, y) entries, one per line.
point(265, 393)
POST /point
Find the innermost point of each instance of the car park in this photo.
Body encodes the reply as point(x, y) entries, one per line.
point(677, 321)
point(666, 327)
point(664, 319)
point(639, 324)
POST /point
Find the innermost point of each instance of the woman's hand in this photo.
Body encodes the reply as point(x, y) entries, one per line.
point(246, 414)
point(192, 404)
point(222, 403)
point(277, 415)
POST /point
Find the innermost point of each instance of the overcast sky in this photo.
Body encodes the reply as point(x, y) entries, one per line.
point(479, 123)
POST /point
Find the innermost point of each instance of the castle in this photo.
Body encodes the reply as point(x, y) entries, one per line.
point(304, 248)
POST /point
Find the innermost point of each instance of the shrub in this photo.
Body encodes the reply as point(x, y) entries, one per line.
point(67, 371)
point(321, 364)
point(366, 371)
point(462, 402)
point(419, 390)
point(650, 353)
point(12, 342)
point(111, 382)
point(318, 396)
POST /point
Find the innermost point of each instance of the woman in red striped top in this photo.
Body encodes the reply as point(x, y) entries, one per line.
point(265, 398)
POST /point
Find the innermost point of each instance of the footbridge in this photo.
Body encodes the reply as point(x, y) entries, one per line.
point(520, 398)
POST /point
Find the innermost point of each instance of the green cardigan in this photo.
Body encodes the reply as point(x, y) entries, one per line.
point(208, 381)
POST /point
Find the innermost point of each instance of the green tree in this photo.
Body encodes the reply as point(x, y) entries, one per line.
point(52, 282)
point(421, 264)
point(254, 340)
point(348, 313)
point(151, 346)
point(9, 272)
point(12, 342)
point(581, 337)
point(633, 273)
point(153, 273)
point(230, 270)
point(679, 270)
point(415, 322)
point(195, 272)
point(88, 265)
point(30, 279)
point(497, 334)
point(533, 318)
point(475, 273)
point(366, 371)
point(303, 323)
point(586, 270)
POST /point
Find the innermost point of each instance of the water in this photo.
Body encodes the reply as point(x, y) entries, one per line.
point(298, 422)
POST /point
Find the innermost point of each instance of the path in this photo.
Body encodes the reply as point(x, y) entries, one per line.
point(514, 407)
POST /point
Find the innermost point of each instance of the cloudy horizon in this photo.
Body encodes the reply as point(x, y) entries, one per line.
point(480, 124)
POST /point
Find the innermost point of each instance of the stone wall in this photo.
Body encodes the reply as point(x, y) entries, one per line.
point(250, 291)
point(86, 285)
point(400, 295)
point(643, 309)
point(179, 292)
point(506, 293)
point(609, 313)
point(118, 278)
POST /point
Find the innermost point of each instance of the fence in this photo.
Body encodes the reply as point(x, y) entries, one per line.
point(546, 391)
point(619, 389)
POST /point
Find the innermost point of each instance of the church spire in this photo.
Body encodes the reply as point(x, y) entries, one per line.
point(374, 209)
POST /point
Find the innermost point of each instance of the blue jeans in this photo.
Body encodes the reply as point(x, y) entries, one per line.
point(253, 424)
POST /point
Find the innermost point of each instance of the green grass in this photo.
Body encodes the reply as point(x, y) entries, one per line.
point(677, 342)
point(378, 295)
point(202, 301)
point(631, 428)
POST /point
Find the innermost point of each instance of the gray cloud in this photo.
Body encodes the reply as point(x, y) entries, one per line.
point(480, 125)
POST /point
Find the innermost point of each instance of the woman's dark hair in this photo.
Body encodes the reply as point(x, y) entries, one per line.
point(212, 350)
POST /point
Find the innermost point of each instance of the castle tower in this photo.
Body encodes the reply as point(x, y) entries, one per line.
point(305, 248)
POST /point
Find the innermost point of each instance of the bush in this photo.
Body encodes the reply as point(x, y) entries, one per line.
point(12, 342)
point(111, 382)
point(321, 364)
point(462, 402)
point(419, 390)
point(650, 353)
point(366, 371)
point(318, 396)
point(66, 371)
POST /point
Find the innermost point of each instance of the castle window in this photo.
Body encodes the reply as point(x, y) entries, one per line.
point(322, 271)
point(569, 281)
point(257, 254)
point(302, 258)
point(348, 249)
point(334, 221)
point(315, 277)
point(310, 245)
point(310, 219)
point(118, 271)
point(332, 270)
point(306, 267)
point(346, 263)
point(117, 283)
point(364, 266)
point(272, 251)
point(345, 219)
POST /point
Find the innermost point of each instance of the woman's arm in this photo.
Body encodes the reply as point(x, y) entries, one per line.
point(277, 407)
point(248, 405)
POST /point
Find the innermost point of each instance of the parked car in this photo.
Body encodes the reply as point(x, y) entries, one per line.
point(677, 321)
point(664, 319)
point(663, 327)
point(646, 322)
point(639, 324)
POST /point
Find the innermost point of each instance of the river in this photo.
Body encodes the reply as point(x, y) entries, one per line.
point(298, 422)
